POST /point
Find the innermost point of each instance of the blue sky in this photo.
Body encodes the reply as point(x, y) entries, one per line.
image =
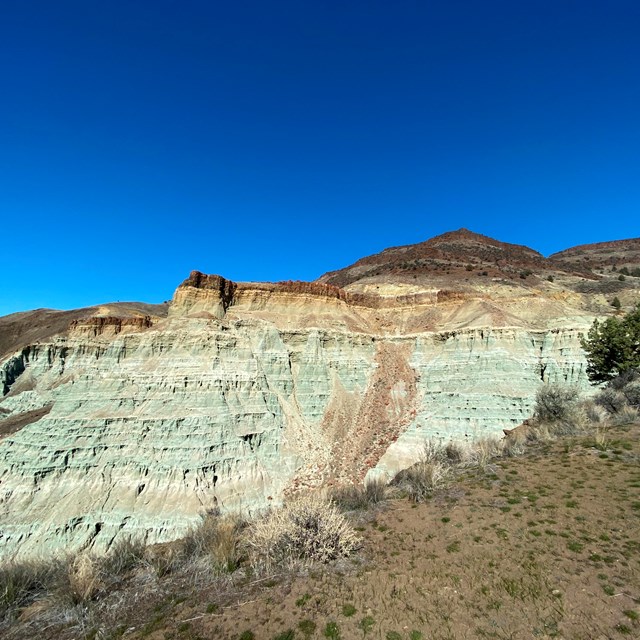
point(279, 140)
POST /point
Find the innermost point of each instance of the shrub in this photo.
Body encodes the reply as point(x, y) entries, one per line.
point(556, 403)
point(624, 379)
point(307, 529)
point(628, 384)
point(632, 394)
point(610, 400)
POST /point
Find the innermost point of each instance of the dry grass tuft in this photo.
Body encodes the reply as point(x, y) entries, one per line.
point(217, 540)
point(625, 416)
point(123, 556)
point(360, 497)
point(456, 453)
point(21, 583)
point(422, 479)
point(84, 580)
point(486, 449)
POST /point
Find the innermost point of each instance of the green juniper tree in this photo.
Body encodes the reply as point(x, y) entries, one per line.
point(613, 346)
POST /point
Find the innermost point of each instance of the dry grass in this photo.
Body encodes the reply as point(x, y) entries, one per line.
point(217, 540)
point(22, 582)
point(438, 461)
point(594, 413)
point(84, 580)
point(455, 452)
point(485, 449)
point(626, 415)
point(422, 479)
point(360, 497)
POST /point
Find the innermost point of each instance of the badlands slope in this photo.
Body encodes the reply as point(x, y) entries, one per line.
point(130, 420)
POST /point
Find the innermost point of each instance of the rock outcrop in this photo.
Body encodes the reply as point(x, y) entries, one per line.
point(247, 392)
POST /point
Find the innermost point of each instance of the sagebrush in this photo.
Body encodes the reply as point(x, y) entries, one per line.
point(309, 528)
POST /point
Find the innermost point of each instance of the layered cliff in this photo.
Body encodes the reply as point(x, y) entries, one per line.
point(246, 392)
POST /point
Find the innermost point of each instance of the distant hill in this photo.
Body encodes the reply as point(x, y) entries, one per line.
point(455, 255)
point(602, 255)
point(20, 329)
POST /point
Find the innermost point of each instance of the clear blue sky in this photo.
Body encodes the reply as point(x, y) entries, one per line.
point(279, 140)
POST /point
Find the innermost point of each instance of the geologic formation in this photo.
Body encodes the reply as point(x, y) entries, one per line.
point(136, 419)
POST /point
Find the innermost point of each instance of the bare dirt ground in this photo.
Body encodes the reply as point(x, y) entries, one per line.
point(542, 546)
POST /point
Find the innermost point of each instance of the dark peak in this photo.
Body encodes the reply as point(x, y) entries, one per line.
point(463, 233)
point(461, 239)
point(455, 255)
point(465, 236)
point(201, 280)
